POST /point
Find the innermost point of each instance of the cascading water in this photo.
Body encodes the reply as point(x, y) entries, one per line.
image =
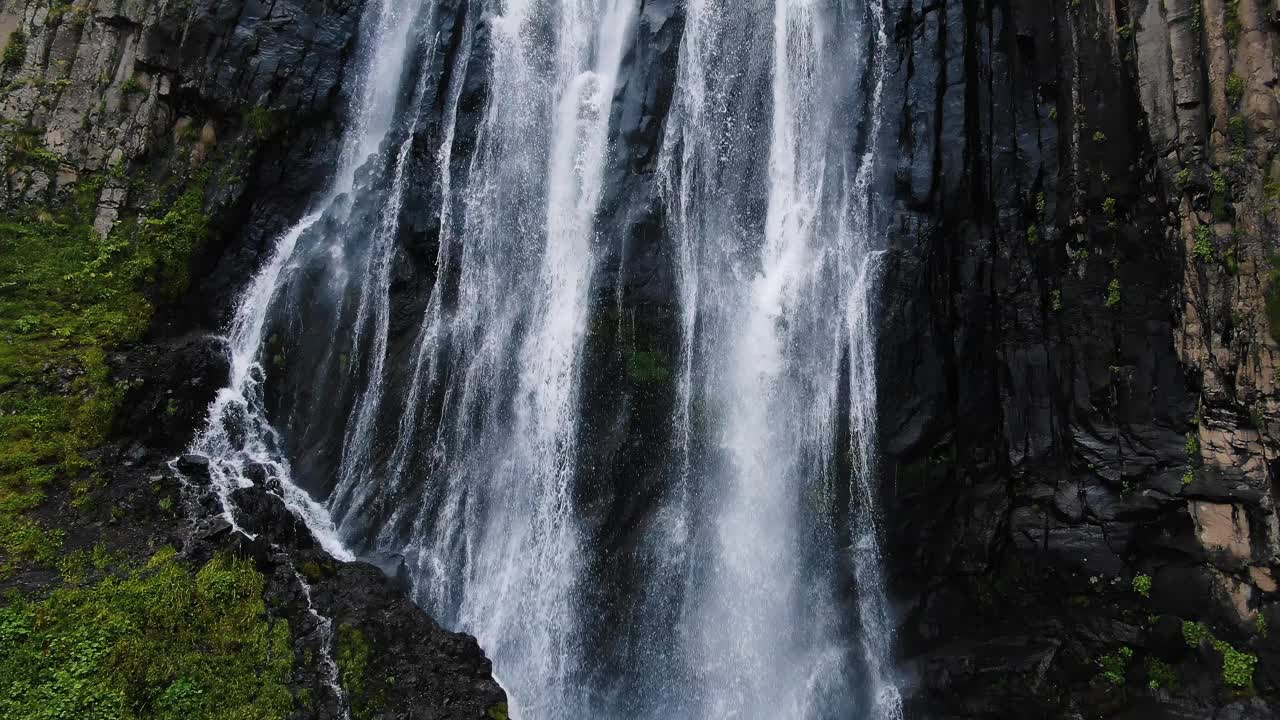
point(778, 350)
point(460, 449)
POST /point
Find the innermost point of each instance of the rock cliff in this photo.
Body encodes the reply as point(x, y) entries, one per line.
point(1078, 344)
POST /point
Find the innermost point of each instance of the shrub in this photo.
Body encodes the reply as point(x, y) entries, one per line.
point(15, 50)
point(1194, 633)
point(1235, 88)
point(1205, 248)
point(1142, 585)
point(1160, 675)
point(1237, 667)
point(1114, 666)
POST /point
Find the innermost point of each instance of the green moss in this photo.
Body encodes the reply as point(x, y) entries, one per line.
point(1033, 235)
point(1220, 195)
point(1113, 293)
point(1109, 207)
point(1115, 666)
point(1205, 248)
point(1232, 27)
point(1237, 667)
point(1194, 633)
point(497, 712)
point(1238, 131)
point(67, 297)
point(1160, 675)
point(157, 642)
point(1235, 88)
point(1193, 445)
point(132, 85)
point(15, 50)
point(261, 121)
point(1142, 585)
point(353, 659)
point(1260, 623)
point(648, 368)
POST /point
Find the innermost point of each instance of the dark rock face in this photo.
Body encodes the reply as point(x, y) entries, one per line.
point(1076, 399)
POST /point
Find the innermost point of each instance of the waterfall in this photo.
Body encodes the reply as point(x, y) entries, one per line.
point(459, 448)
point(778, 349)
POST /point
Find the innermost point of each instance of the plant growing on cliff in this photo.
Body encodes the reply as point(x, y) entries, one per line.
point(1204, 247)
point(1113, 293)
point(1033, 235)
point(1235, 88)
point(156, 642)
point(1160, 675)
point(1232, 27)
point(1142, 585)
point(1099, 136)
point(1193, 633)
point(1237, 667)
point(15, 50)
point(1220, 194)
point(1116, 665)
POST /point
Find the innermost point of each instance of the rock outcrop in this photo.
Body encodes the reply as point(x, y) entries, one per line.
point(1078, 365)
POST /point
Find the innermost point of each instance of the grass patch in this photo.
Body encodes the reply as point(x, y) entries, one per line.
point(67, 297)
point(157, 642)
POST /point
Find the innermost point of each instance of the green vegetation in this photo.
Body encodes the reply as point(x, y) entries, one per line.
point(1055, 300)
point(157, 642)
point(132, 85)
point(1238, 131)
point(1142, 585)
point(1220, 195)
point(1235, 88)
point(1193, 445)
point(261, 122)
point(1109, 207)
point(1260, 623)
point(1188, 477)
point(67, 296)
point(497, 712)
point(648, 368)
point(1033, 235)
point(1205, 248)
point(353, 664)
point(353, 658)
point(1113, 293)
point(1183, 179)
point(15, 50)
point(1160, 675)
point(1114, 666)
point(1099, 137)
point(1232, 26)
point(1194, 633)
point(1237, 667)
